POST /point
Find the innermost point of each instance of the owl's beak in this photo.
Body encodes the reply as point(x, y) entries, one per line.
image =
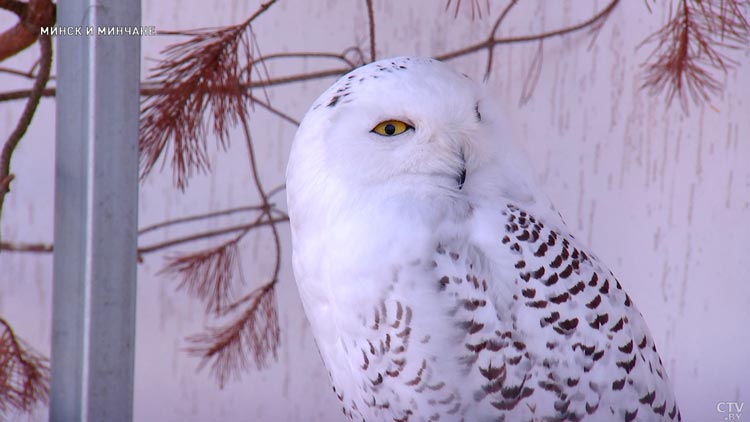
point(462, 174)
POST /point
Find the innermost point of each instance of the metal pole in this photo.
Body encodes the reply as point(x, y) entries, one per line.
point(96, 206)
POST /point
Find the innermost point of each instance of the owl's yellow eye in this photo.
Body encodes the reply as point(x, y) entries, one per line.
point(391, 128)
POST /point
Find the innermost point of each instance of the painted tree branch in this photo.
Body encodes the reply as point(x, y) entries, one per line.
point(28, 75)
point(476, 8)
point(493, 41)
point(252, 334)
point(210, 61)
point(255, 330)
point(493, 33)
point(208, 234)
point(24, 374)
point(198, 217)
point(10, 145)
point(17, 7)
point(371, 25)
point(667, 69)
point(32, 16)
point(26, 247)
point(207, 275)
point(280, 217)
point(693, 46)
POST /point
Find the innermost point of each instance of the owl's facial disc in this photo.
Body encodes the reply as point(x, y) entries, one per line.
point(445, 156)
point(405, 124)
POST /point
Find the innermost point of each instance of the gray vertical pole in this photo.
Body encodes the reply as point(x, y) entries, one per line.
point(96, 205)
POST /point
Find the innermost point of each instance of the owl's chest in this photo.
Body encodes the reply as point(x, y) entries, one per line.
point(353, 262)
point(389, 301)
point(396, 344)
point(351, 287)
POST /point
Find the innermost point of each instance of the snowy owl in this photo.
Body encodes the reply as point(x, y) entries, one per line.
point(439, 281)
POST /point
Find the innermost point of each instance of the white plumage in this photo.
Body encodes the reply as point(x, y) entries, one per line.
point(439, 281)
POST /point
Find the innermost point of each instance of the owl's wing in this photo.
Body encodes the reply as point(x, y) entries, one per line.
point(530, 327)
point(566, 343)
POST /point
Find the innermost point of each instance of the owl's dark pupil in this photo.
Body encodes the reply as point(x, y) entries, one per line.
point(390, 129)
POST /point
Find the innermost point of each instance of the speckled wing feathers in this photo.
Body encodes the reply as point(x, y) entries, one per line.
point(394, 380)
point(560, 342)
point(576, 336)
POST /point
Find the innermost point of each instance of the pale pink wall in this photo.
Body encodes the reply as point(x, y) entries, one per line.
point(662, 197)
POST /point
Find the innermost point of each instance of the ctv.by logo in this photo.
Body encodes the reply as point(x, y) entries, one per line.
point(732, 410)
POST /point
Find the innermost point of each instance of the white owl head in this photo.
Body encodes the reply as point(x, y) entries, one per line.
point(402, 126)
